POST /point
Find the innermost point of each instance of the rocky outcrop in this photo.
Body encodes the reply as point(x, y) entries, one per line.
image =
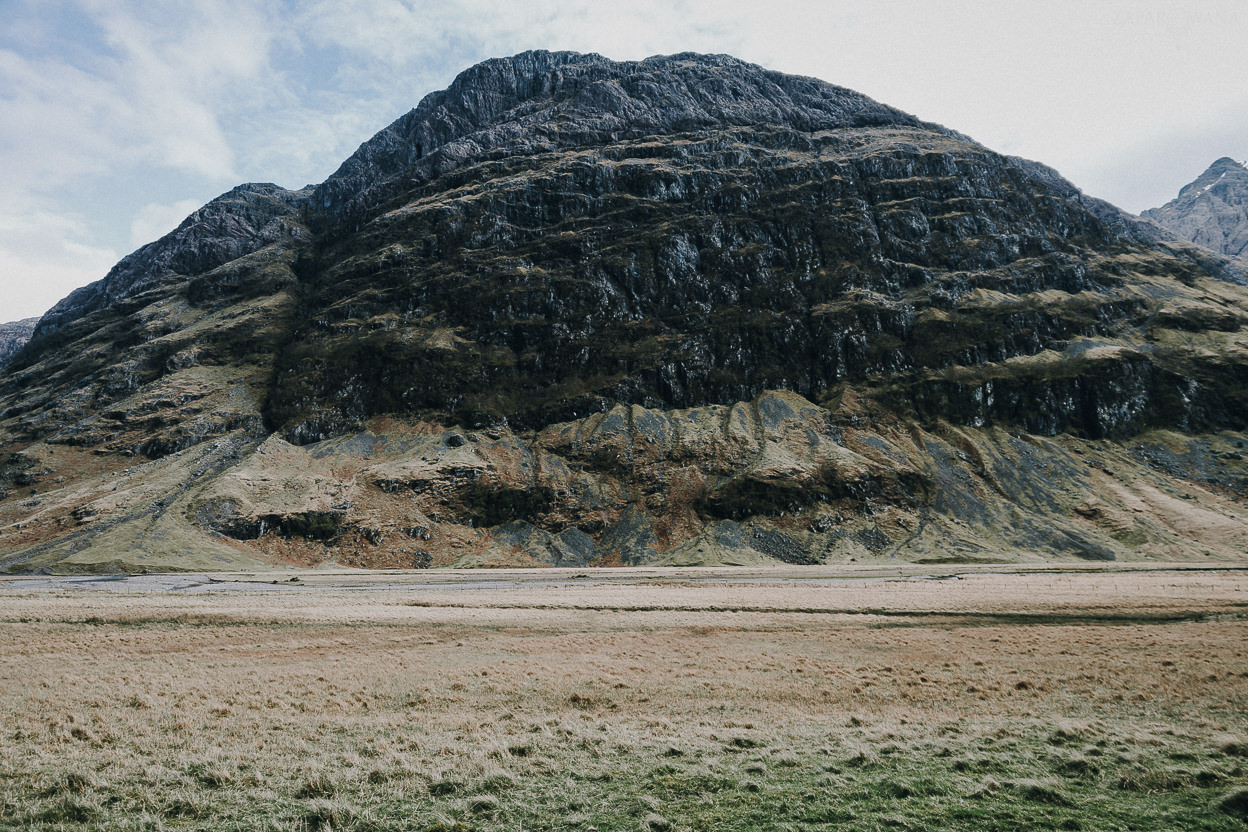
point(1146, 232)
point(234, 224)
point(544, 102)
point(706, 270)
point(1212, 211)
point(13, 336)
point(681, 310)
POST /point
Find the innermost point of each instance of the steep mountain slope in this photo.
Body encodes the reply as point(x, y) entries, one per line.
point(1211, 211)
point(13, 336)
point(234, 224)
point(683, 310)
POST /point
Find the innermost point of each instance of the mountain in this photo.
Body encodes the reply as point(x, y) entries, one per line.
point(682, 310)
point(13, 336)
point(1211, 211)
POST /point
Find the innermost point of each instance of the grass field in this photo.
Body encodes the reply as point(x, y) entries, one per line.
point(601, 700)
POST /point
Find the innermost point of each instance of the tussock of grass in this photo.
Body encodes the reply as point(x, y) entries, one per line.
point(441, 788)
point(655, 823)
point(1039, 791)
point(1079, 767)
point(70, 808)
point(212, 775)
point(1233, 747)
point(862, 758)
point(317, 784)
point(499, 781)
point(188, 804)
point(1154, 780)
point(1235, 803)
point(329, 814)
point(482, 804)
point(74, 781)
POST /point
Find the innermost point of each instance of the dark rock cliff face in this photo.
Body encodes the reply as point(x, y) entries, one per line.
point(540, 102)
point(1211, 211)
point(705, 270)
point(236, 223)
point(682, 310)
point(13, 336)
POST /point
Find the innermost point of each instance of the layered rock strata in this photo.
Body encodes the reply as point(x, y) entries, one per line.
point(682, 310)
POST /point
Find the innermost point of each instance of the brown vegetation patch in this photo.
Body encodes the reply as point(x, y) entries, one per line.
point(320, 702)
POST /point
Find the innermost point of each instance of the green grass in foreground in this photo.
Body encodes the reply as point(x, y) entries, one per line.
point(580, 776)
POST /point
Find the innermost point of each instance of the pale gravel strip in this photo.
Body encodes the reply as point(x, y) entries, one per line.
point(1103, 596)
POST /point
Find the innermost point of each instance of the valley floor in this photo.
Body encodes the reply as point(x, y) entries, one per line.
point(1090, 698)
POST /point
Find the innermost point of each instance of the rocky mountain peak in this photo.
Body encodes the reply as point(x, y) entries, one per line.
point(533, 102)
point(1222, 175)
point(236, 223)
point(13, 336)
point(1212, 210)
point(1227, 163)
point(541, 101)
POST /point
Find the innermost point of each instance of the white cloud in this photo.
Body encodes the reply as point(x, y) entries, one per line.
point(182, 70)
point(1152, 167)
point(155, 220)
point(387, 31)
point(1073, 84)
point(148, 99)
point(42, 259)
point(58, 123)
point(452, 35)
point(1065, 82)
point(96, 119)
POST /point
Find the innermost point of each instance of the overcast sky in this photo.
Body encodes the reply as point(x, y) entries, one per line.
point(120, 117)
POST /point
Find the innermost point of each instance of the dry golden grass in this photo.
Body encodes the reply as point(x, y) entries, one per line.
point(496, 701)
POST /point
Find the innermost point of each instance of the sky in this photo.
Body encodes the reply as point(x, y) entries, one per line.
point(118, 118)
